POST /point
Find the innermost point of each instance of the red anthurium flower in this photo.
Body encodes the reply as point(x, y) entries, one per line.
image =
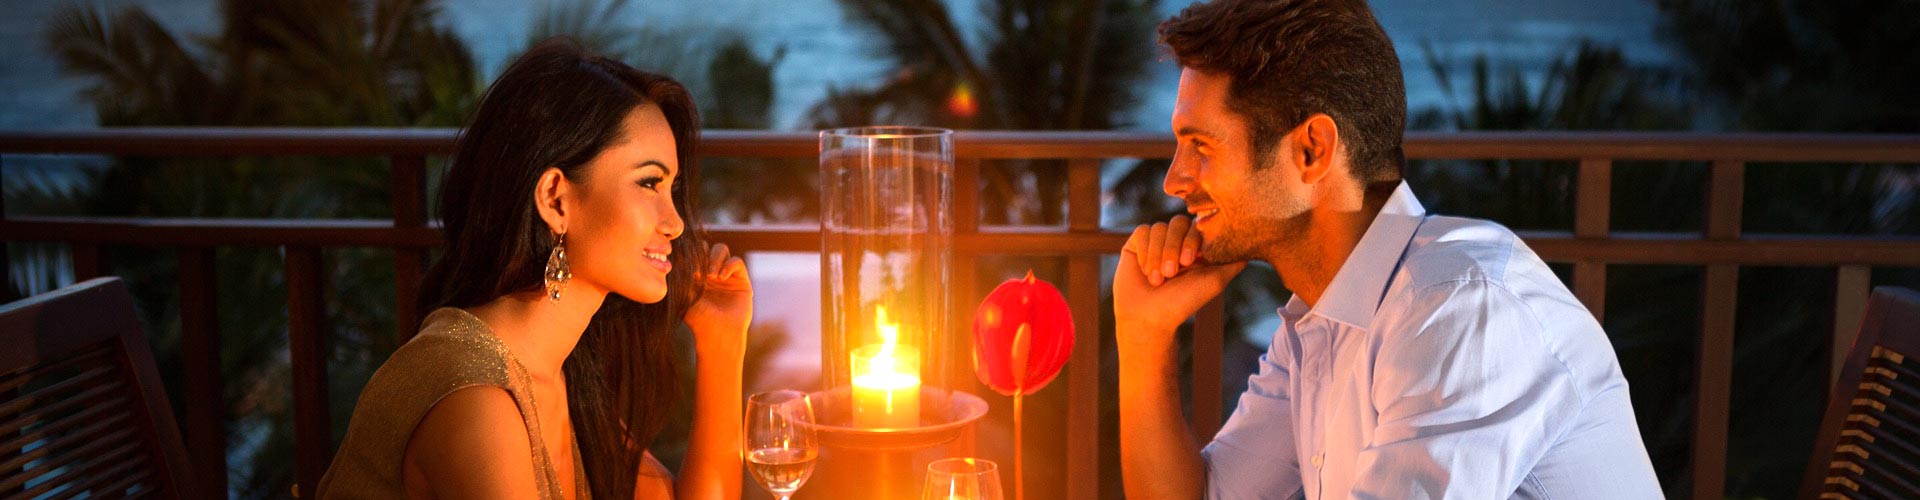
point(1022, 336)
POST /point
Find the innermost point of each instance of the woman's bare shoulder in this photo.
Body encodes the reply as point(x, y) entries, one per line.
point(472, 444)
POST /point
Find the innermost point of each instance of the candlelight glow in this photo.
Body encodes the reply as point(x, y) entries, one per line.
point(886, 379)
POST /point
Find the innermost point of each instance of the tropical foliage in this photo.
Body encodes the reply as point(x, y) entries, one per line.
point(1032, 64)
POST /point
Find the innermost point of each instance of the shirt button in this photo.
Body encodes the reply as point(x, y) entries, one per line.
point(1319, 458)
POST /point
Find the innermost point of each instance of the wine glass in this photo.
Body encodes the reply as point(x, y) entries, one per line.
point(779, 442)
point(962, 479)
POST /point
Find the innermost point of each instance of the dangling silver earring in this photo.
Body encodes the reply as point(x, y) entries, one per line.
point(558, 272)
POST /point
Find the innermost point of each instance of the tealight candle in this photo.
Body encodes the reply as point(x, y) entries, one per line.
point(886, 380)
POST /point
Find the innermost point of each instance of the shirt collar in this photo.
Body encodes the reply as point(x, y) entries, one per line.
point(1357, 289)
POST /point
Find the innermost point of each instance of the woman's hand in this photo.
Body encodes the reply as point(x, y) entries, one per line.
point(719, 319)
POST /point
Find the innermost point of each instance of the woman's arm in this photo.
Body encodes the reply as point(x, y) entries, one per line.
point(472, 444)
point(712, 466)
point(719, 323)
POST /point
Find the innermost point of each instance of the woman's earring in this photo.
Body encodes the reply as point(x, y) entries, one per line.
point(558, 272)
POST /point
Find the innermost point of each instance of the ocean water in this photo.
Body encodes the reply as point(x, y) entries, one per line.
point(823, 50)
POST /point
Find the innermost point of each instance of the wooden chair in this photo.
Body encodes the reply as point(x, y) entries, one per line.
point(81, 406)
point(1869, 442)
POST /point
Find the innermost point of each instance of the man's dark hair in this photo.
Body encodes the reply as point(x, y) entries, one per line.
point(1288, 59)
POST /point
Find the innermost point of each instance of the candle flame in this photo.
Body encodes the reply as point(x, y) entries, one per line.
point(883, 361)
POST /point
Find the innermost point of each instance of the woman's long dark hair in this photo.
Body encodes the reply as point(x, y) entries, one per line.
point(559, 106)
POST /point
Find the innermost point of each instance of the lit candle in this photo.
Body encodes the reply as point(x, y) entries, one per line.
point(886, 380)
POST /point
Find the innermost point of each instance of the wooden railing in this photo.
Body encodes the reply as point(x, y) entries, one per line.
point(1720, 247)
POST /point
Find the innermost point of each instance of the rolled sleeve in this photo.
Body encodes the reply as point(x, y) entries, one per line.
point(1253, 455)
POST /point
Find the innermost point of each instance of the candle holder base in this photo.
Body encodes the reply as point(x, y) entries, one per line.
point(861, 463)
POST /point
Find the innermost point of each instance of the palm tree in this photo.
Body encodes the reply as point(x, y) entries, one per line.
point(1041, 66)
point(298, 63)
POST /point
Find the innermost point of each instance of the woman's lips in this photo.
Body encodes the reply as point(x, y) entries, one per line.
point(658, 261)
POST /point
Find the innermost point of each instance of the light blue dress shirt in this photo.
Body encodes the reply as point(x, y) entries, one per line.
point(1445, 360)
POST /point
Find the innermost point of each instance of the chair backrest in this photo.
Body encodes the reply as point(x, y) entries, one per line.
point(1869, 442)
point(81, 406)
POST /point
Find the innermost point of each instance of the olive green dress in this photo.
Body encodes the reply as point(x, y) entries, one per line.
point(453, 351)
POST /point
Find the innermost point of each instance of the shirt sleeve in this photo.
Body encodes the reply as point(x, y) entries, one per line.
point(1469, 397)
point(1253, 457)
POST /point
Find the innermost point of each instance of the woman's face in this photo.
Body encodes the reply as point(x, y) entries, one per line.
point(620, 237)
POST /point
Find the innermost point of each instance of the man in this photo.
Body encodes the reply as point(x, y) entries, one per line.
point(1420, 357)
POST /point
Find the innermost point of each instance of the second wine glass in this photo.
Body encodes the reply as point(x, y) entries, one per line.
point(962, 479)
point(779, 441)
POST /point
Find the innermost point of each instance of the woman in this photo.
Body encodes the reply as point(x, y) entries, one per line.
point(546, 367)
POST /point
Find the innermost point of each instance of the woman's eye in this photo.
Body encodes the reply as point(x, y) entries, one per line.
point(651, 183)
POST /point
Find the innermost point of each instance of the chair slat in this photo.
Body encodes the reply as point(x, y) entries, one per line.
point(46, 413)
point(1888, 462)
point(58, 458)
point(112, 463)
point(78, 443)
point(1900, 369)
point(1886, 480)
point(25, 375)
point(1893, 415)
point(36, 396)
point(115, 407)
point(105, 485)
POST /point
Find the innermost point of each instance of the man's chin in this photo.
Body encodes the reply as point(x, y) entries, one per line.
point(1219, 254)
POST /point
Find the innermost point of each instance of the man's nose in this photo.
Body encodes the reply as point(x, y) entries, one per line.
point(1179, 181)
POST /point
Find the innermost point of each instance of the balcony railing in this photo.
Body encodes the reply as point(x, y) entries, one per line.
point(1720, 247)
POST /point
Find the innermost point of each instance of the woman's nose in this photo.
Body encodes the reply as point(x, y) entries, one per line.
point(672, 225)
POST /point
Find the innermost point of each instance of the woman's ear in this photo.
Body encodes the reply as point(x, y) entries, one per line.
point(550, 199)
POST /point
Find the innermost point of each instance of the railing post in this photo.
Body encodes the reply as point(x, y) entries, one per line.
point(1852, 287)
point(966, 288)
point(1593, 206)
point(312, 424)
point(1083, 379)
point(1714, 377)
point(1083, 297)
point(205, 385)
point(408, 199)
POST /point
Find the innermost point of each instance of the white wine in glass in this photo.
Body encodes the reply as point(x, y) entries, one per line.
point(779, 440)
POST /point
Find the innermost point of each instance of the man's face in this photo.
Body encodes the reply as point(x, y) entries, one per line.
point(1244, 207)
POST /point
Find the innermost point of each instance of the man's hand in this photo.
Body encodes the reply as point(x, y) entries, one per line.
point(1161, 281)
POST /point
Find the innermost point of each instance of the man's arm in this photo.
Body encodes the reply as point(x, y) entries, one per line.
point(1158, 456)
point(1470, 397)
point(1158, 285)
point(1254, 455)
